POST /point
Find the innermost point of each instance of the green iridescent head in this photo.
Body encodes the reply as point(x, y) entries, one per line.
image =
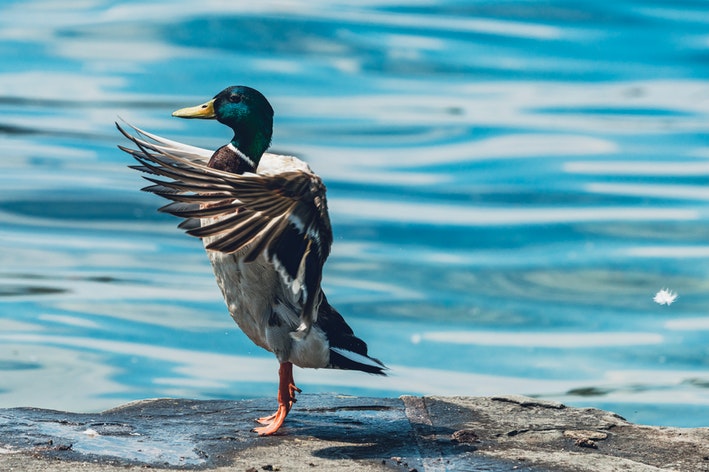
point(243, 109)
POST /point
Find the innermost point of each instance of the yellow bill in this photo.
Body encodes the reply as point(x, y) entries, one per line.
point(204, 111)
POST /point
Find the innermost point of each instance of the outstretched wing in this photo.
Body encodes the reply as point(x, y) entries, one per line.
point(283, 216)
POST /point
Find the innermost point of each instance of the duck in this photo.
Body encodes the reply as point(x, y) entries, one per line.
point(264, 223)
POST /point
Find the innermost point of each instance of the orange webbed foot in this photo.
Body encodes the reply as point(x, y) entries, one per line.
point(266, 420)
point(286, 399)
point(275, 424)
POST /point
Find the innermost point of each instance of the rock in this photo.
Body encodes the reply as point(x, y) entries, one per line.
point(346, 433)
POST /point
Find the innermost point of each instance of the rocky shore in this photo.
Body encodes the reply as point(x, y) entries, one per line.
point(325, 432)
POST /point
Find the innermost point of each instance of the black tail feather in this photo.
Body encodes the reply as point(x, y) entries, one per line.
point(347, 351)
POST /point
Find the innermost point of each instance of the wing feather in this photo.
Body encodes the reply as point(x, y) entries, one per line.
point(280, 215)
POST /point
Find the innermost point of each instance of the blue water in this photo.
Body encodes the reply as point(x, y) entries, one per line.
point(510, 183)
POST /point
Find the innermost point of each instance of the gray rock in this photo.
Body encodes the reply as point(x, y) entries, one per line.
point(346, 433)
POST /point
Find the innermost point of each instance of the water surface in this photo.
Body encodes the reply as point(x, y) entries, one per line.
point(510, 183)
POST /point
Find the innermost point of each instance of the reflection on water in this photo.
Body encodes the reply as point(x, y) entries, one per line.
point(509, 183)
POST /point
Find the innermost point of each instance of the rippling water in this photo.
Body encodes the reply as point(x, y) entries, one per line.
point(510, 183)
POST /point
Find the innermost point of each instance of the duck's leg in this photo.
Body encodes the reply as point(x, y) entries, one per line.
point(286, 398)
point(285, 374)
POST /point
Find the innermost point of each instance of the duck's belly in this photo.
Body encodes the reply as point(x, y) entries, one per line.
point(245, 288)
point(263, 308)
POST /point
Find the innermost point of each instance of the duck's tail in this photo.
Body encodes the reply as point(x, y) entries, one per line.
point(347, 351)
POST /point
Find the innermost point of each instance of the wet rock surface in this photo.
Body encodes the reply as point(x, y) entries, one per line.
point(325, 432)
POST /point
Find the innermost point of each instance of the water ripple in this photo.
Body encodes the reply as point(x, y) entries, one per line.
point(425, 213)
point(564, 340)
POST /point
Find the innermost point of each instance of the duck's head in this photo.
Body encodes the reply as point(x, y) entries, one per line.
point(243, 109)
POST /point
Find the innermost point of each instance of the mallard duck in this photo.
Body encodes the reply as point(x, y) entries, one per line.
point(264, 222)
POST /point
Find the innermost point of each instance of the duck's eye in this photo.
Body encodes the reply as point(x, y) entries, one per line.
point(236, 98)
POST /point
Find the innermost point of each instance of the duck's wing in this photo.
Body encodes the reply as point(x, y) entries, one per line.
point(283, 216)
point(160, 144)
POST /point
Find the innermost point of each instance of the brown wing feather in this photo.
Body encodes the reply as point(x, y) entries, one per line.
point(283, 216)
